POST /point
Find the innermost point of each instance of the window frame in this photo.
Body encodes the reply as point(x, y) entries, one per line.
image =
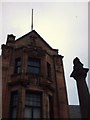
point(32, 66)
point(34, 107)
point(48, 71)
point(18, 64)
point(51, 110)
point(15, 106)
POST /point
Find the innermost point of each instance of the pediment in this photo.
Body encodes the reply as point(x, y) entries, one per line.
point(34, 39)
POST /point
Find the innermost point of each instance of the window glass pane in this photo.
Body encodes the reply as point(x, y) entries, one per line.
point(14, 112)
point(14, 104)
point(18, 62)
point(33, 100)
point(32, 105)
point(18, 69)
point(34, 66)
point(51, 107)
point(48, 71)
point(36, 113)
point(14, 99)
point(28, 112)
point(34, 70)
point(34, 63)
point(18, 65)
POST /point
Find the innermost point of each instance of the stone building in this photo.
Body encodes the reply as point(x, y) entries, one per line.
point(33, 82)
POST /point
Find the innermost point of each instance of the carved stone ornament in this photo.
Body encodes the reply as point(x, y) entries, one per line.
point(5, 53)
point(78, 70)
point(34, 79)
point(33, 40)
point(36, 52)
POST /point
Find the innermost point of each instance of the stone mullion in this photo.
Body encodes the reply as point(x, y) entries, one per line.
point(24, 62)
point(45, 105)
point(21, 103)
point(56, 63)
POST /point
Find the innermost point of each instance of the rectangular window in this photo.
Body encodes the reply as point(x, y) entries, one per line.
point(34, 66)
point(18, 65)
point(51, 114)
point(48, 71)
point(32, 105)
point(14, 104)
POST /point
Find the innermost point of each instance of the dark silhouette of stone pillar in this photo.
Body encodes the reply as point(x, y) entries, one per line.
point(79, 74)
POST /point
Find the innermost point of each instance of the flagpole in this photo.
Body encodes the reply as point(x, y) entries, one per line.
point(32, 21)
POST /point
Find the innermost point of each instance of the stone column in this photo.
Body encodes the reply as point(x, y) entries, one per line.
point(79, 74)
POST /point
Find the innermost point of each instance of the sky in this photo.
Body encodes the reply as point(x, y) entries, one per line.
point(63, 25)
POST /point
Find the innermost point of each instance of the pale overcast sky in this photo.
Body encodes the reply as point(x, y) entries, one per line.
point(63, 25)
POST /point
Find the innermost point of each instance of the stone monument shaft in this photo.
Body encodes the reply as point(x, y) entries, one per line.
point(79, 74)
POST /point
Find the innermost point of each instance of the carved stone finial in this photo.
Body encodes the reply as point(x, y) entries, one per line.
point(77, 63)
point(79, 74)
point(33, 39)
point(78, 70)
point(10, 38)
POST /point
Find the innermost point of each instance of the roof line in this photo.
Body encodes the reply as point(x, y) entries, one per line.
point(40, 37)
